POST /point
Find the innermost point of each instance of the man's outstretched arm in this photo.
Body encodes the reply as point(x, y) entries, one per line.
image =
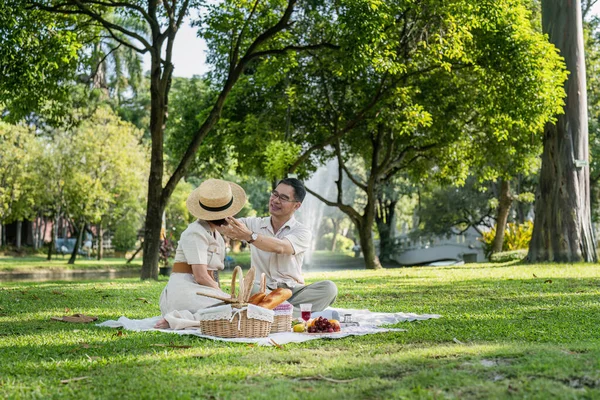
point(239, 231)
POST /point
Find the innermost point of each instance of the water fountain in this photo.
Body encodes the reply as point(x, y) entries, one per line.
point(312, 210)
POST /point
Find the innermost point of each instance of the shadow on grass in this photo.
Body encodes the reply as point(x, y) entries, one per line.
point(388, 370)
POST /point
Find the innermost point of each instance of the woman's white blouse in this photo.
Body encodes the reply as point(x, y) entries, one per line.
point(197, 245)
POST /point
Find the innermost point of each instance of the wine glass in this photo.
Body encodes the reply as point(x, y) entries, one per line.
point(305, 311)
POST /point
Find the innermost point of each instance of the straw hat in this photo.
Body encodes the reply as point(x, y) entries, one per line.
point(216, 199)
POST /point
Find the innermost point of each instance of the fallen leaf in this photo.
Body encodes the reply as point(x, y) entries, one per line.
point(280, 347)
point(143, 299)
point(94, 358)
point(58, 292)
point(80, 378)
point(534, 275)
point(118, 333)
point(455, 340)
point(548, 281)
point(67, 309)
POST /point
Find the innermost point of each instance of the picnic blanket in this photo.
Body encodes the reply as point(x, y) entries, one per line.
point(370, 322)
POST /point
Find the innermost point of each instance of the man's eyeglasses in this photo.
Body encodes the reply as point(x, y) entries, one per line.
point(282, 197)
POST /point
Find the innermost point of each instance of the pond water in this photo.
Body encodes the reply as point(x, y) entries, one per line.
point(66, 275)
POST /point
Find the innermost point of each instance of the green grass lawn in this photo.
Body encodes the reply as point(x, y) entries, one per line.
point(507, 331)
point(317, 258)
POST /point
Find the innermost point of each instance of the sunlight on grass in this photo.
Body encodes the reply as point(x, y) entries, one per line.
point(504, 333)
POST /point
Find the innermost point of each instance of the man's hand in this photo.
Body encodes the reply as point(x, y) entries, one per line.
point(235, 230)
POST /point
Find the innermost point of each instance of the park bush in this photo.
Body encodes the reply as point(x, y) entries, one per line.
point(516, 237)
point(342, 243)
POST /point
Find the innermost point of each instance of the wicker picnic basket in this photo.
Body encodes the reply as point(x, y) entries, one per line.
point(244, 321)
point(282, 321)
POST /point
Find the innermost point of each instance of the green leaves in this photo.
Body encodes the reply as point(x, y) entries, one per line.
point(39, 56)
point(279, 156)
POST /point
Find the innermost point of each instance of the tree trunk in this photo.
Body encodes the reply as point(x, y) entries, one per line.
point(562, 229)
point(154, 207)
point(100, 242)
point(77, 244)
point(1, 234)
point(365, 235)
point(504, 205)
point(53, 239)
point(19, 233)
point(35, 227)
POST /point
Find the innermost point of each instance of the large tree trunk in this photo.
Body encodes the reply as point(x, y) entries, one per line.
point(504, 205)
point(77, 244)
point(562, 229)
point(367, 246)
point(154, 207)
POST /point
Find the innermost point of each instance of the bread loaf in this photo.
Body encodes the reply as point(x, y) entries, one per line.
point(256, 298)
point(275, 298)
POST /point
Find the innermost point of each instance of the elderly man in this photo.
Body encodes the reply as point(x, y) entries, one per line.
point(278, 244)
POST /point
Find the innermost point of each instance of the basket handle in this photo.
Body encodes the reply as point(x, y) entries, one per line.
point(248, 284)
point(237, 270)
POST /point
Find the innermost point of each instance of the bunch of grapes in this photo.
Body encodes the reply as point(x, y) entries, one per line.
point(321, 325)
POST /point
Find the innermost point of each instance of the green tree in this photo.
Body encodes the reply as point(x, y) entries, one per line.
point(39, 54)
point(18, 153)
point(94, 174)
point(402, 96)
point(242, 32)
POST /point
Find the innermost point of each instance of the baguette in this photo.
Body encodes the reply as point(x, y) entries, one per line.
point(275, 298)
point(256, 298)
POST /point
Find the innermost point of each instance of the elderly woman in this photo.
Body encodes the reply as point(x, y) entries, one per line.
point(201, 249)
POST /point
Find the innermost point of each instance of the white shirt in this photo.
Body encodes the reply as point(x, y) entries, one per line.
point(197, 245)
point(280, 268)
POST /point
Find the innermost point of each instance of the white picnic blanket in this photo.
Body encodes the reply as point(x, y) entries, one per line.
point(369, 323)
